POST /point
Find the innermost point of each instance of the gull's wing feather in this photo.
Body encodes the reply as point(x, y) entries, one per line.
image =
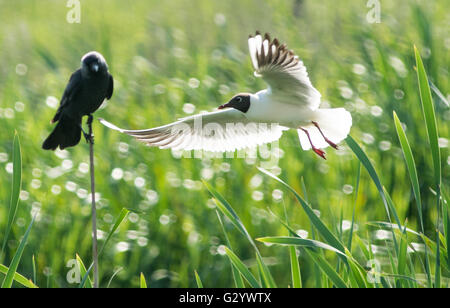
point(217, 131)
point(283, 71)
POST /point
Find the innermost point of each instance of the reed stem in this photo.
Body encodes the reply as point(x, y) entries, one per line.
point(94, 209)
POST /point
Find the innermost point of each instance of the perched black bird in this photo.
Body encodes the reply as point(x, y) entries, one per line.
point(85, 92)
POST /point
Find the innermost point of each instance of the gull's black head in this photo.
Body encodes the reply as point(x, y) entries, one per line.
point(93, 63)
point(240, 102)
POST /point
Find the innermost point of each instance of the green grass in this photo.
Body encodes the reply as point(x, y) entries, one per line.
point(143, 282)
point(381, 196)
point(15, 190)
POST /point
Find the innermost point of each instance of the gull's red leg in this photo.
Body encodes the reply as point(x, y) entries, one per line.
point(326, 139)
point(316, 150)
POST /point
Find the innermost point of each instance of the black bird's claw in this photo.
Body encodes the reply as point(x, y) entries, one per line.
point(90, 119)
point(89, 138)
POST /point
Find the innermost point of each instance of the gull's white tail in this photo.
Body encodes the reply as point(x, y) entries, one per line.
point(334, 123)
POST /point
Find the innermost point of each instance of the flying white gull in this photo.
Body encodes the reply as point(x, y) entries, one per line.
point(248, 120)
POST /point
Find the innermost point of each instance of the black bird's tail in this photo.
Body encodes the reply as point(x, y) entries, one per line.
point(67, 133)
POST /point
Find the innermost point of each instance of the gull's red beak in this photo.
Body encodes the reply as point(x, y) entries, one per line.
point(224, 106)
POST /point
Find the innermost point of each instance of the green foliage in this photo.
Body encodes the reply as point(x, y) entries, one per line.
point(123, 214)
point(143, 282)
point(164, 55)
point(15, 190)
point(86, 282)
point(432, 131)
point(242, 268)
point(11, 273)
point(409, 158)
point(429, 115)
point(17, 277)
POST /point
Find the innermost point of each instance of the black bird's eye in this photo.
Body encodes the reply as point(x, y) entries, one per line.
point(238, 99)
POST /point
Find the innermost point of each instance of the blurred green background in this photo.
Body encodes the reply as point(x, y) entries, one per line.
point(167, 55)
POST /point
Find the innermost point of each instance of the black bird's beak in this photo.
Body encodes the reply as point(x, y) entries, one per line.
point(95, 67)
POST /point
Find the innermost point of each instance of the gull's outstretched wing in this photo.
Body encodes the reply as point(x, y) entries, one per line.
point(283, 71)
point(218, 131)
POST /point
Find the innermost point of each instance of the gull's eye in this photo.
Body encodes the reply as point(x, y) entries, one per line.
point(238, 99)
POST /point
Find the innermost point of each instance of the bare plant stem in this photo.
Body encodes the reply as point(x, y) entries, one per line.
point(94, 209)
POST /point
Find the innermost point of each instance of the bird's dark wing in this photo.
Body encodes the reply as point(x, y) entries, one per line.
point(283, 71)
point(109, 93)
point(71, 89)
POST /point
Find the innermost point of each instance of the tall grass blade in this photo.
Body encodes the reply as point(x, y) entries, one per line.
point(143, 283)
point(392, 207)
point(15, 190)
point(229, 212)
point(198, 280)
point(123, 214)
point(429, 116)
point(327, 269)
point(298, 241)
point(7, 282)
point(34, 269)
point(291, 231)
point(262, 275)
point(446, 216)
point(350, 237)
point(411, 165)
point(401, 277)
point(432, 132)
point(439, 93)
point(18, 278)
point(238, 281)
point(412, 170)
point(295, 268)
point(317, 271)
point(113, 276)
point(371, 170)
point(387, 225)
point(363, 247)
point(401, 260)
point(86, 281)
point(268, 278)
point(242, 268)
point(388, 204)
point(293, 259)
point(356, 273)
point(330, 238)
